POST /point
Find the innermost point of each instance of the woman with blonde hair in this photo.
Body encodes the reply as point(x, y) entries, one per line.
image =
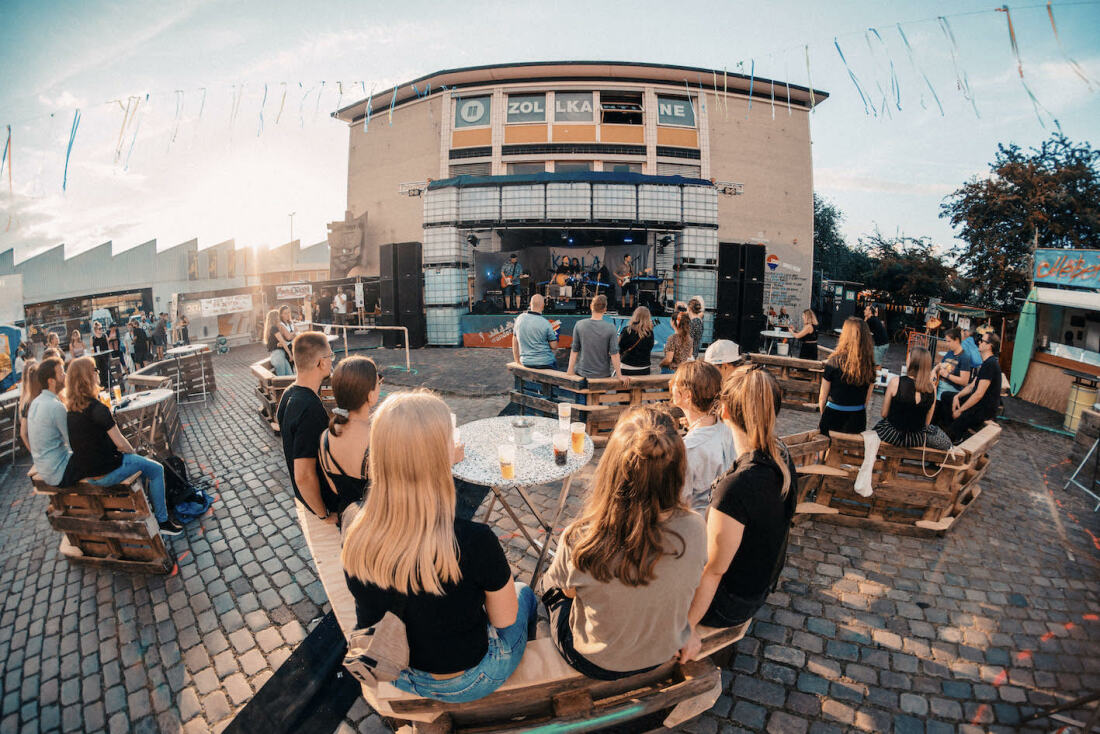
point(619, 587)
point(277, 338)
point(908, 405)
point(447, 579)
point(636, 343)
point(807, 335)
point(750, 512)
point(678, 346)
point(848, 380)
point(696, 309)
point(695, 389)
point(101, 454)
point(76, 345)
point(28, 392)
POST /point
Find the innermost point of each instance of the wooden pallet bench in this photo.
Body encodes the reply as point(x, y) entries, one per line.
point(11, 445)
point(543, 690)
point(270, 388)
point(596, 402)
point(799, 378)
point(186, 374)
point(911, 494)
point(112, 527)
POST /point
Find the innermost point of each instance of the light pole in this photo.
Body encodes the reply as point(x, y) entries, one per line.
point(292, 226)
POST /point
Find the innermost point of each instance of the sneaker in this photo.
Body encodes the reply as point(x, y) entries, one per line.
point(170, 527)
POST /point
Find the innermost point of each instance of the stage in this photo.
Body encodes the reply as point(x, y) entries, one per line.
point(495, 330)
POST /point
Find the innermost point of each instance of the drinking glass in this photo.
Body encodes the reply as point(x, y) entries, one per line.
point(577, 430)
point(561, 447)
point(506, 452)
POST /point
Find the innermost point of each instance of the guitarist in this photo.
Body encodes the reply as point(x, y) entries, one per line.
point(509, 282)
point(624, 274)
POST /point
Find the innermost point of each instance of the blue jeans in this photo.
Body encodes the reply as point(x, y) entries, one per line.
point(280, 365)
point(506, 648)
point(151, 471)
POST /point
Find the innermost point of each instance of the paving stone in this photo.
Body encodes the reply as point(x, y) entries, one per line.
point(786, 655)
point(750, 715)
point(781, 722)
point(913, 704)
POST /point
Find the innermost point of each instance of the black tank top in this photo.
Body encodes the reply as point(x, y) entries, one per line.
point(905, 413)
point(812, 336)
point(349, 489)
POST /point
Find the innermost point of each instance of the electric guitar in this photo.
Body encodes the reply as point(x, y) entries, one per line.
point(624, 279)
point(506, 280)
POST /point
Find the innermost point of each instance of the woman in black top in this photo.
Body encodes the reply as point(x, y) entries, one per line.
point(808, 335)
point(750, 510)
point(696, 310)
point(447, 579)
point(636, 343)
point(102, 352)
point(848, 380)
point(141, 344)
point(356, 386)
point(908, 405)
point(101, 454)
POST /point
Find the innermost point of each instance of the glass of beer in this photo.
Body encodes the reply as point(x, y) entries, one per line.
point(117, 391)
point(561, 447)
point(564, 416)
point(577, 431)
point(506, 452)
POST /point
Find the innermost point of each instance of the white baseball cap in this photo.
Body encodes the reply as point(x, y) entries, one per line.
point(723, 351)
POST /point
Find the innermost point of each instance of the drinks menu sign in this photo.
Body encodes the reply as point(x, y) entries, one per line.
point(1078, 268)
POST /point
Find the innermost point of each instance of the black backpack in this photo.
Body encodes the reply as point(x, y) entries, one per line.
point(177, 488)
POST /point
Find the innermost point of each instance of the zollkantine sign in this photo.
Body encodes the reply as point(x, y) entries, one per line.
point(1078, 268)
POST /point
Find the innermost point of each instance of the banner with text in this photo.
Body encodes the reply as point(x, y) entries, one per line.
point(1076, 268)
point(226, 305)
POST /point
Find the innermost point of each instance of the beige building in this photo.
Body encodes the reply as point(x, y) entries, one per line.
point(586, 149)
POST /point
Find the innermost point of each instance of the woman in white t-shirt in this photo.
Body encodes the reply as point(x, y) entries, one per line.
point(695, 387)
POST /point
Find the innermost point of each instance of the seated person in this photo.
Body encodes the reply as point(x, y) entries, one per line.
point(29, 391)
point(848, 380)
point(48, 424)
point(710, 452)
point(101, 454)
point(750, 512)
point(907, 407)
point(447, 579)
point(725, 355)
point(954, 374)
point(595, 349)
point(978, 402)
point(533, 338)
point(575, 268)
point(620, 585)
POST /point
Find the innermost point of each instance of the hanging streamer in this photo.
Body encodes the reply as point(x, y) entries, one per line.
point(137, 129)
point(895, 88)
point(855, 81)
point(1072, 62)
point(809, 79)
point(339, 94)
point(179, 111)
point(725, 96)
point(317, 107)
point(370, 98)
point(69, 149)
point(126, 116)
point(752, 82)
point(882, 106)
point(1035, 103)
point(393, 101)
point(961, 80)
point(202, 107)
point(7, 146)
point(714, 81)
point(702, 95)
point(279, 114)
point(7, 159)
point(238, 92)
point(263, 103)
point(913, 61)
point(302, 106)
point(787, 76)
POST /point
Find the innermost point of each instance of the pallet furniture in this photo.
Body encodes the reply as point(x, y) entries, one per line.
point(150, 420)
point(911, 493)
point(11, 446)
point(189, 374)
point(799, 378)
point(544, 690)
point(596, 402)
point(111, 527)
point(270, 391)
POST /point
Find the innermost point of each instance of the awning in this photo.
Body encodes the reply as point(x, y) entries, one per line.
point(967, 311)
point(1074, 299)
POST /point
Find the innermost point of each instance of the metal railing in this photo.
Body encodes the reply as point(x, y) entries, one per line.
point(357, 327)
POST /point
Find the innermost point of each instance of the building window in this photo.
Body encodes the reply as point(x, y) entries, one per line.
point(472, 111)
point(472, 169)
point(573, 107)
point(212, 265)
point(519, 168)
point(621, 108)
point(675, 111)
point(622, 167)
point(572, 166)
point(526, 108)
point(678, 169)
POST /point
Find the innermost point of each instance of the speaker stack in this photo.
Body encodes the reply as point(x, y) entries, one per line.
point(401, 293)
point(739, 315)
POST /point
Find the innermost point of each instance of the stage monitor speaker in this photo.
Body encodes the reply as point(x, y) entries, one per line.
point(752, 259)
point(726, 326)
point(729, 260)
point(752, 298)
point(750, 329)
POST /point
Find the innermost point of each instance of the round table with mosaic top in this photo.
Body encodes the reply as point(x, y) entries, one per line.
point(534, 465)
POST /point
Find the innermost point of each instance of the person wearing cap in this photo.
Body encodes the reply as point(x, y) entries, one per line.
point(512, 270)
point(725, 355)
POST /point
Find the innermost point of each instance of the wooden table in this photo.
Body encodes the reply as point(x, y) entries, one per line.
point(771, 336)
point(534, 465)
point(150, 420)
point(194, 372)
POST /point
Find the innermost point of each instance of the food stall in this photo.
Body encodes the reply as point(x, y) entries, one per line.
point(1056, 356)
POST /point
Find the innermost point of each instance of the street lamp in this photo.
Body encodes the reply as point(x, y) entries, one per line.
point(292, 226)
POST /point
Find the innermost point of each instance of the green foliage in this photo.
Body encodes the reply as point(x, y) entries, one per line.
point(1050, 194)
point(832, 254)
point(906, 270)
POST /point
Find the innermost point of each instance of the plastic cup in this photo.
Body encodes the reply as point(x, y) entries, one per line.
point(561, 448)
point(564, 416)
point(506, 452)
point(577, 431)
point(455, 435)
point(117, 391)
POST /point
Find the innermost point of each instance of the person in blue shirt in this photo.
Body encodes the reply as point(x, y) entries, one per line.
point(953, 373)
point(513, 270)
point(48, 426)
point(970, 347)
point(533, 338)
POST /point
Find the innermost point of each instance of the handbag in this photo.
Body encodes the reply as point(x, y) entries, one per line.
point(378, 654)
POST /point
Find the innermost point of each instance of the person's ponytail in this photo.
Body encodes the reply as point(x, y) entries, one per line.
point(751, 397)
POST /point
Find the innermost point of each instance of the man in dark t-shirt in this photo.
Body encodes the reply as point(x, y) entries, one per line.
point(878, 333)
point(324, 307)
point(978, 401)
point(302, 419)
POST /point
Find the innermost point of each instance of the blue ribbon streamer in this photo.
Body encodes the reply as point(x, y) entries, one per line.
point(809, 79)
point(961, 80)
point(4, 157)
point(262, 104)
point(913, 61)
point(752, 83)
point(69, 150)
point(393, 101)
point(370, 109)
point(1035, 103)
point(895, 87)
point(317, 107)
point(855, 81)
point(137, 129)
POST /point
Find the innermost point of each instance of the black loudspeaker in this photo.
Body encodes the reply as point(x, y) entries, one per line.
point(729, 261)
point(752, 298)
point(392, 339)
point(752, 259)
point(385, 261)
point(387, 301)
point(726, 326)
point(729, 295)
point(750, 329)
point(406, 259)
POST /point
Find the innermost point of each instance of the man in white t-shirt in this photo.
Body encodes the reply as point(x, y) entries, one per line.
point(340, 307)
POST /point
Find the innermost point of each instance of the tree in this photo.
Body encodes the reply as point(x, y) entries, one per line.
point(1049, 195)
point(832, 254)
point(907, 270)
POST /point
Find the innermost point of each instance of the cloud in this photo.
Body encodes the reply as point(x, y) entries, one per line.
point(64, 100)
point(831, 178)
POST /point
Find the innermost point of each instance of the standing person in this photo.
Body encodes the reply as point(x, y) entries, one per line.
point(878, 333)
point(533, 338)
point(595, 348)
point(340, 306)
point(276, 340)
point(447, 579)
point(30, 390)
point(696, 387)
point(141, 343)
point(76, 345)
point(48, 425)
point(978, 401)
point(725, 355)
point(848, 380)
point(954, 372)
point(695, 310)
point(324, 307)
point(101, 351)
point(126, 346)
point(185, 329)
point(619, 588)
point(160, 335)
point(302, 419)
point(908, 405)
point(750, 513)
point(678, 346)
point(509, 282)
point(808, 336)
point(624, 274)
point(53, 341)
point(101, 454)
point(636, 343)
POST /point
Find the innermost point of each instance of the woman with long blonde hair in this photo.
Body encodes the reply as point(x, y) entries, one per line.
point(277, 342)
point(101, 454)
point(750, 512)
point(447, 579)
point(29, 390)
point(619, 587)
point(695, 388)
point(636, 343)
point(908, 405)
point(807, 335)
point(76, 345)
point(848, 380)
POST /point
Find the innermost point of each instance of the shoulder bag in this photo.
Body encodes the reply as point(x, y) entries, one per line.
point(379, 653)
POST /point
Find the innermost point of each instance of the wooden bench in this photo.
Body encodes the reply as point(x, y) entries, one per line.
point(600, 401)
point(11, 445)
point(186, 375)
point(543, 690)
point(138, 381)
point(270, 389)
point(111, 527)
point(799, 378)
point(910, 492)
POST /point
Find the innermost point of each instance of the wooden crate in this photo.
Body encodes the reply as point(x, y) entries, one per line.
point(111, 527)
point(270, 388)
point(800, 379)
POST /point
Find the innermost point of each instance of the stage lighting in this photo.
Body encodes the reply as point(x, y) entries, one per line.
point(564, 235)
point(628, 240)
point(472, 239)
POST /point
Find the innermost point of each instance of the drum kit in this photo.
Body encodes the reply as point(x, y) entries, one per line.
point(567, 291)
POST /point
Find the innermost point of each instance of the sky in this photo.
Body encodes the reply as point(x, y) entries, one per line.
point(207, 156)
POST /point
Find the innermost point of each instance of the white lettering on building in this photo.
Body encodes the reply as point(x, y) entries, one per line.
point(673, 109)
point(525, 107)
point(573, 105)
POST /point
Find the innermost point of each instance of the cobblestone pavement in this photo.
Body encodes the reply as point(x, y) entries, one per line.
point(869, 631)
